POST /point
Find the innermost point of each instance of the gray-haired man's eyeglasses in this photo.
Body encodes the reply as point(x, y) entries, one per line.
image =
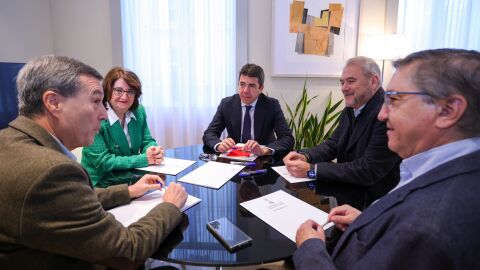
point(390, 101)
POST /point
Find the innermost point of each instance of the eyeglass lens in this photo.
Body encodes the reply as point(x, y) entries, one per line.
point(119, 92)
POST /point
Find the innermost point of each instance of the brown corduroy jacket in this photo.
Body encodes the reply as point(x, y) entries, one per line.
point(52, 218)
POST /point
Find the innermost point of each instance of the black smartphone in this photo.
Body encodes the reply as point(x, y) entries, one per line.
point(228, 234)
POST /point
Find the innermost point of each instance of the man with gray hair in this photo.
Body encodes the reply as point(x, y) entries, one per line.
point(51, 216)
point(430, 219)
point(359, 143)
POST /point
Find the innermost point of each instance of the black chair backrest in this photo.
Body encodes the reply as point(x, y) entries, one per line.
point(8, 92)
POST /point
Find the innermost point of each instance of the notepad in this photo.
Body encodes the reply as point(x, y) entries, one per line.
point(171, 166)
point(138, 208)
point(212, 174)
point(284, 212)
point(282, 170)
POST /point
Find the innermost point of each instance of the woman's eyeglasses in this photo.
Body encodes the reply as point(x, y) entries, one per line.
point(119, 92)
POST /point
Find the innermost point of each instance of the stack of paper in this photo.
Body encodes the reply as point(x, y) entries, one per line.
point(212, 174)
point(284, 212)
point(172, 166)
point(138, 208)
point(282, 170)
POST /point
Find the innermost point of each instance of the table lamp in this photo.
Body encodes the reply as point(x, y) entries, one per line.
point(384, 47)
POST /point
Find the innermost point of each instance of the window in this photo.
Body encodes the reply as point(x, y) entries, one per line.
point(431, 24)
point(184, 52)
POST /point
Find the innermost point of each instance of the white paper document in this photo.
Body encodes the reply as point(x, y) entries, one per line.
point(252, 157)
point(171, 166)
point(282, 170)
point(284, 212)
point(138, 208)
point(212, 174)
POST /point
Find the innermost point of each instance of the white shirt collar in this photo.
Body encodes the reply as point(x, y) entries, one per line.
point(253, 103)
point(417, 165)
point(113, 117)
point(356, 112)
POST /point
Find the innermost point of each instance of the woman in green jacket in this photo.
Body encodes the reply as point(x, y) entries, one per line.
point(123, 141)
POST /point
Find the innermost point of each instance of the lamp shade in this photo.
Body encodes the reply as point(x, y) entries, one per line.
point(384, 47)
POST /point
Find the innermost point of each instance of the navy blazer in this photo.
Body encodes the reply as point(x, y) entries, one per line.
point(430, 223)
point(360, 146)
point(270, 126)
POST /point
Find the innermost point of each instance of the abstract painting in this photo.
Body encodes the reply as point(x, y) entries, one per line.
point(313, 37)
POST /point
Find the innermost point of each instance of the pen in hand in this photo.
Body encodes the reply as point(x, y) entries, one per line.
point(162, 186)
point(326, 223)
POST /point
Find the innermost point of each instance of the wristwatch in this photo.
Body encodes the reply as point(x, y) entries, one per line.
point(312, 173)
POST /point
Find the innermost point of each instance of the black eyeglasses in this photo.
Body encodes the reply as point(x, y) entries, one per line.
point(390, 101)
point(119, 92)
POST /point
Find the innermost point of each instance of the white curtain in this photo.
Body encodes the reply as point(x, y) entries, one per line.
point(184, 53)
point(430, 24)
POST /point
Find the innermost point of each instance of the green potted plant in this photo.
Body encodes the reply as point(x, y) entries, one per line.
point(309, 129)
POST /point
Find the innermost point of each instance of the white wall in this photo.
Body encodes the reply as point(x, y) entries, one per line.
point(79, 29)
point(90, 31)
point(372, 20)
point(83, 30)
point(25, 30)
point(259, 44)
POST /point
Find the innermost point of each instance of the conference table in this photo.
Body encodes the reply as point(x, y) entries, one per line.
point(192, 244)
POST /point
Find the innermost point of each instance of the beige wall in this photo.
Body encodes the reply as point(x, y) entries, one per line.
point(90, 30)
point(25, 29)
point(79, 29)
point(83, 30)
point(372, 21)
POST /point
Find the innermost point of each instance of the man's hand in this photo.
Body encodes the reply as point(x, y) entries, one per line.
point(256, 148)
point(309, 229)
point(296, 164)
point(155, 155)
point(146, 183)
point(225, 145)
point(176, 195)
point(343, 216)
point(294, 156)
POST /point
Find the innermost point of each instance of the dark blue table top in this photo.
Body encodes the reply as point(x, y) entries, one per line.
point(193, 244)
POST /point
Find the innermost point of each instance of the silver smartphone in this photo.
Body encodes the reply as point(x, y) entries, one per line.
point(228, 234)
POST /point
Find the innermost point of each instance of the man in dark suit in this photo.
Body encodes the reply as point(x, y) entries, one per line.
point(359, 143)
point(250, 117)
point(430, 219)
point(51, 216)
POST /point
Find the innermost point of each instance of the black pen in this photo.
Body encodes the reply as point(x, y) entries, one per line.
point(250, 173)
point(327, 223)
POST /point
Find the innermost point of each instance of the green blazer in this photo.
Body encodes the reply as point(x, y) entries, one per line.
point(52, 218)
point(109, 158)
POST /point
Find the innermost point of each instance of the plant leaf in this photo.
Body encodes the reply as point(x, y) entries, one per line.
point(308, 129)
